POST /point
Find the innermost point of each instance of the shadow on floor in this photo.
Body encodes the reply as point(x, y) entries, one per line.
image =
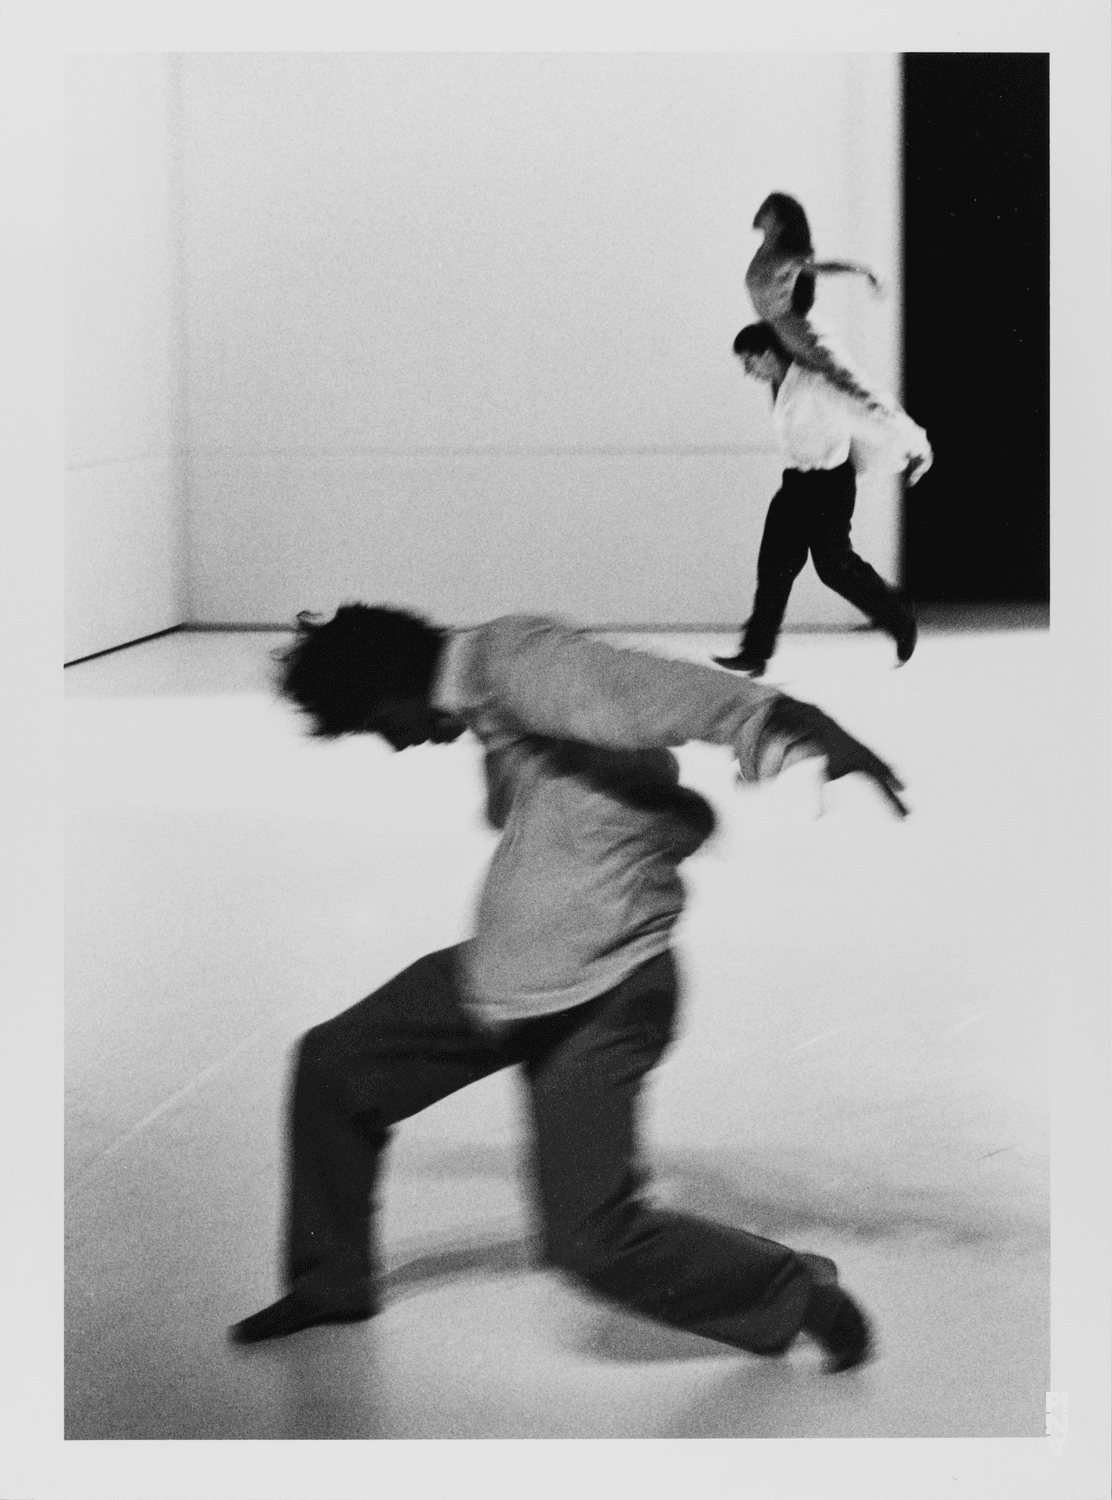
point(611, 1334)
point(505, 1257)
point(741, 1196)
point(789, 1205)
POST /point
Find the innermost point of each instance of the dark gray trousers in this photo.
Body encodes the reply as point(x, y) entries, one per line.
point(412, 1043)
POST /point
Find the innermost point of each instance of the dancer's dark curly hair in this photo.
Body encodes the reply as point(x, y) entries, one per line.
point(336, 671)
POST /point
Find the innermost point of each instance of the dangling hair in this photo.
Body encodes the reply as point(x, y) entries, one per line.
point(336, 671)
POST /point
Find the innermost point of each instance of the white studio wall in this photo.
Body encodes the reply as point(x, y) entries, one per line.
point(458, 326)
point(123, 565)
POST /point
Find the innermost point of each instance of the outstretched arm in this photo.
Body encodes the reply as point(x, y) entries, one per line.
point(563, 684)
point(848, 268)
point(798, 730)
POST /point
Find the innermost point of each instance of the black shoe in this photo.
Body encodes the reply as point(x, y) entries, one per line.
point(906, 635)
point(836, 1322)
point(753, 665)
point(823, 1272)
point(293, 1312)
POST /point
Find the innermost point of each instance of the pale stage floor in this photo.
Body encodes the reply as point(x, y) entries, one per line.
point(860, 1069)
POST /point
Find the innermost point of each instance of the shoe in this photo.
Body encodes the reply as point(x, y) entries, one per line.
point(753, 665)
point(836, 1322)
point(823, 1271)
point(293, 1312)
point(906, 635)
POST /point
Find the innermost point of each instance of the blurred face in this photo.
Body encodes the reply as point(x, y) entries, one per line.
point(405, 722)
point(761, 366)
point(767, 222)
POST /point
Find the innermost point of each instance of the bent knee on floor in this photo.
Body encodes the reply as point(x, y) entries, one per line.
point(588, 1264)
point(597, 1255)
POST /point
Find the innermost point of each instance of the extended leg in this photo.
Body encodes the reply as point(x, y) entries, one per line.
point(780, 560)
point(841, 569)
point(585, 1081)
point(392, 1055)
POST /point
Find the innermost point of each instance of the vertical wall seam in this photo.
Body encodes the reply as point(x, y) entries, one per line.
point(900, 289)
point(179, 353)
point(873, 216)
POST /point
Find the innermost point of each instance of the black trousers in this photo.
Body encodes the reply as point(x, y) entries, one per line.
point(412, 1043)
point(811, 512)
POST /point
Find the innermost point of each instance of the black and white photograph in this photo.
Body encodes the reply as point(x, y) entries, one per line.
point(583, 768)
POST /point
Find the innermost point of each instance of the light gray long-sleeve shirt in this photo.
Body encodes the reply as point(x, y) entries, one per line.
point(583, 886)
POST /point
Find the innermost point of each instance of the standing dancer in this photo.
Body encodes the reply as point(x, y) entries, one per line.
point(569, 973)
point(781, 282)
point(819, 427)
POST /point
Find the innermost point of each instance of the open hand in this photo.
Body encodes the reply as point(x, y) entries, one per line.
point(804, 724)
point(846, 756)
point(918, 467)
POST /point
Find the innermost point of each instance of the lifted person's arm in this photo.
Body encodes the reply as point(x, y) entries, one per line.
point(848, 268)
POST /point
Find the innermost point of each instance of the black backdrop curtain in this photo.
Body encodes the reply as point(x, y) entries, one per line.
point(976, 204)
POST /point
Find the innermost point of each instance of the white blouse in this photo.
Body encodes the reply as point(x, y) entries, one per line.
point(816, 424)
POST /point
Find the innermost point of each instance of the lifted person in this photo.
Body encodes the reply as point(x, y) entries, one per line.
point(569, 974)
point(781, 283)
point(819, 427)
